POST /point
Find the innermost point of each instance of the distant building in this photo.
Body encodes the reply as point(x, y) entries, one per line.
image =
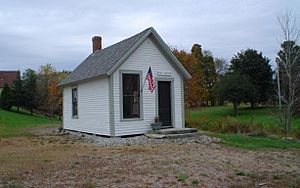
point(7, 77)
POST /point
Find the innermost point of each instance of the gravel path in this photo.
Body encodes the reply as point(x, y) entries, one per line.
point(142, 140)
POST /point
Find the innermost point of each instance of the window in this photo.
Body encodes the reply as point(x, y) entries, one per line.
point(131, 95)
point(74, 102)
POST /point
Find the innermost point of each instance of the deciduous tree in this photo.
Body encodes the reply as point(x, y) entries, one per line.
point(288, 61)
point(207, 65)
point(235, 88)
point(255, 66)
point(193, 87)
point(45, 75)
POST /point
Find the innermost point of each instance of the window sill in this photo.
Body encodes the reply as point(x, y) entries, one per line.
point(131, 119)
point(75, 117)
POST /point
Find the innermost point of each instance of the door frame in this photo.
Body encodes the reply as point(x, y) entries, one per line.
point(171, 80)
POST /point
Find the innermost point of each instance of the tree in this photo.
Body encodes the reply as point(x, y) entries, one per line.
point(288, 62)
point(200, 64)
point(221, 66)
point(5, 98)
point(255, 66)
point(193, 87)
point(221, 69)
point(45, 75)
point(55, 93)
point(235, 88)
point(17, 91)
point(30, 94)
point(209, 75)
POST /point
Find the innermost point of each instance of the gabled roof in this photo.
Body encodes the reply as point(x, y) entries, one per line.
point(104, 62)
point(8, 77)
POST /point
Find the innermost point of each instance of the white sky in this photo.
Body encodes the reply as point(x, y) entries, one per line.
point(34, 32)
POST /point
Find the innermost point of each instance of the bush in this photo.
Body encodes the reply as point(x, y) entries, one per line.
point(297, 133)
point(228, 125)
point(198, 124)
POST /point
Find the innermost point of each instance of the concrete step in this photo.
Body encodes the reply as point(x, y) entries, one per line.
point(185, 135)
point(172, 131)
point(170, 136)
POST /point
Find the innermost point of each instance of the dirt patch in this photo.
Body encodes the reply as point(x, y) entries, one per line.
point(53, 160)
point(45, 130)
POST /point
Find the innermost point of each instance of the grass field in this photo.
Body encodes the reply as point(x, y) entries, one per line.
point(257, 142)
point(13, 124)
point(264, 115)
point(261, 115)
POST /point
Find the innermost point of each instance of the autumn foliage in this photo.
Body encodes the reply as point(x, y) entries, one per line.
point(37, 91)
point(199, 90)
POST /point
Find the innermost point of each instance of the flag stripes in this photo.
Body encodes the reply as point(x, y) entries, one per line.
point(151, 81)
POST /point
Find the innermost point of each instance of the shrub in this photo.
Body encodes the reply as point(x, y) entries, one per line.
point(274, 129)
point(228, 125)
point(198, 124)
point(297, 133)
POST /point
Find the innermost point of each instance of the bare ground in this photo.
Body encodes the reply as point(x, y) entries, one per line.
point(52, 160)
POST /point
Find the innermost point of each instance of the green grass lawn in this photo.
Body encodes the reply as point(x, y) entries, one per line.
point(261, 115)
point(264, 115)
point(13, 124)
point(257, 142)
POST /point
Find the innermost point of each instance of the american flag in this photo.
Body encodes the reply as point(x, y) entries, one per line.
point(150, 78)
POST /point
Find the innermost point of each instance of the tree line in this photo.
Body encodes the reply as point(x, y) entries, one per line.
point(35, 90)
point(247, 78)
point(206, 72)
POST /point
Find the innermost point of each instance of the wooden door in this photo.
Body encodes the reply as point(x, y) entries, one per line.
point(164, 103)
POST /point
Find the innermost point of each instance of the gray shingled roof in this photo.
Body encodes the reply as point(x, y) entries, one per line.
point(96, 65)
point(106, 61)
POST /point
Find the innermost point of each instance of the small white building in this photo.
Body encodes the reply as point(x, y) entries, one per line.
point(106, 94)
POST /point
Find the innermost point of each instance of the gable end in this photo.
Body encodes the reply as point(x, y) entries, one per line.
point(162, 46)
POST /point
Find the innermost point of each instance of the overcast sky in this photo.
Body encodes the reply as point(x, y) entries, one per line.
point(33, 33)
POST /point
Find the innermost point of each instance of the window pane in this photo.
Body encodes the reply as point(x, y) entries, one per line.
point(131, 95)
point(74, 102)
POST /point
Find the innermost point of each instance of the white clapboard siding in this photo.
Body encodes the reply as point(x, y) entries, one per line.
point(146, 54)
point(93, 108)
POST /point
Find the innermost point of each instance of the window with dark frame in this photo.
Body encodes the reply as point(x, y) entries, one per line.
point(131, 95)
point(74, 102)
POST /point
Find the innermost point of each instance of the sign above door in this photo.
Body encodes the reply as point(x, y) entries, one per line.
point(164, 73)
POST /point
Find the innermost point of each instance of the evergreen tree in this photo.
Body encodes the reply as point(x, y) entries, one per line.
point(30, 94)
point(5, 98)
point(17, 91)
